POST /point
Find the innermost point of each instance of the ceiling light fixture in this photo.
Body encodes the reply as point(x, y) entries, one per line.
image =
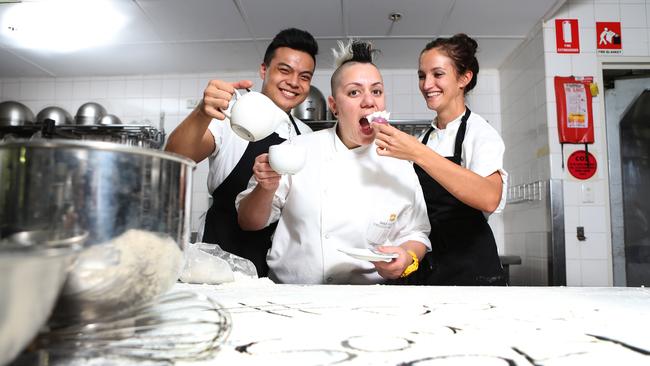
point(394, 17)
point(61, 25)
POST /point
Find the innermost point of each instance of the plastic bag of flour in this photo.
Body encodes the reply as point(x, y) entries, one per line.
point(208, 263)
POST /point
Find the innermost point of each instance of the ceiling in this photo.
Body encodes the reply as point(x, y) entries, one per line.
point(190, 36)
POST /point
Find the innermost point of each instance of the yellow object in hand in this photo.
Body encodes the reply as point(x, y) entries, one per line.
point(413, 266)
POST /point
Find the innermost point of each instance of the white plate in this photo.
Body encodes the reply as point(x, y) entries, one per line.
point(368, 255)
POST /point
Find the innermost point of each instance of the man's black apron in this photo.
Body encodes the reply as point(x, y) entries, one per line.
point(221, 226)
point(464, 251)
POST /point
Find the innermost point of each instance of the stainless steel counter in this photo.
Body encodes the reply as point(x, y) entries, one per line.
point(384, 325)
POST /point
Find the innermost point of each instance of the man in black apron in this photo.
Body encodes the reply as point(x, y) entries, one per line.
point(221, 225)
point(287, 70)
point(463, 249)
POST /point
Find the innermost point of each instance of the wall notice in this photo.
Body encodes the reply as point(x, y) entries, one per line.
point(608, 38)
point(567, 38)
point(582, 164)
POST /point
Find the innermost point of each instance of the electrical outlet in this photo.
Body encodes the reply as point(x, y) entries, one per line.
point(587, 193)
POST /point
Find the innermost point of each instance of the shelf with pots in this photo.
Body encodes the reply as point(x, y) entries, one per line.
point(91, 122)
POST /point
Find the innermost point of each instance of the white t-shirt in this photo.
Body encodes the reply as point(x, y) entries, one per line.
point(230, 148)
point(330, 203)
point(483, 148)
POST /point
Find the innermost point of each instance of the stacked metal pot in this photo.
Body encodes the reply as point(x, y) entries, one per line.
point(126, 208)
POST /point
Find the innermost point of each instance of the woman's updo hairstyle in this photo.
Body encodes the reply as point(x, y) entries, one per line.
point(354, 51)
point(461, 48)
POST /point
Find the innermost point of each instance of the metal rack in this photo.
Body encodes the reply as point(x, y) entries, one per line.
point(548, 199)
point(143, 135)
point(527, 192)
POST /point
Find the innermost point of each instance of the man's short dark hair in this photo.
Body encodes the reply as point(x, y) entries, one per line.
point(295, 39)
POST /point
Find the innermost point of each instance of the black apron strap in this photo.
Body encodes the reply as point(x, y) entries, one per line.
point(221, 224)
point(295, 126)
point(425, 139)
point(463, 247)
point(460, 135)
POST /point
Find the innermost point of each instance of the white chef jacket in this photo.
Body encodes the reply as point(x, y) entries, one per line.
point(330, 203)
point(483, 148)
point(230, 148)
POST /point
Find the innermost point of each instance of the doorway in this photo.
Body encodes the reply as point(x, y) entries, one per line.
point(627, 113)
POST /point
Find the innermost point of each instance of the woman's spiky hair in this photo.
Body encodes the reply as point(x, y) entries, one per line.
point(353, 51)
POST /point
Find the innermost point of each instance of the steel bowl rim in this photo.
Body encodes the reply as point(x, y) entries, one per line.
point(12, 250)
point(98, 145)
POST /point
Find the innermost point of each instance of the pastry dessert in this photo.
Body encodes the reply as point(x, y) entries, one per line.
point(379, 117)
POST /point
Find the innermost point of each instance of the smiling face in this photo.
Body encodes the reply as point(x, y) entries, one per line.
point(287, 77)
point(359, 92)
point(440, 83)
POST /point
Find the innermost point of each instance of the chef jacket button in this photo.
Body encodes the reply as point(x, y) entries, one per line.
point(327, 236)
point(329, 279)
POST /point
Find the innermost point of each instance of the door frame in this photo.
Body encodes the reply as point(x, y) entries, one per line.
point(616, 234)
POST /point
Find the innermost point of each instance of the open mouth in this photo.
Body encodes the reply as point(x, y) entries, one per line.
point(366, 128)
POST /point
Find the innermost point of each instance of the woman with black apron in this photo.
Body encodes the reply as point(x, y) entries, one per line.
point(459, 162)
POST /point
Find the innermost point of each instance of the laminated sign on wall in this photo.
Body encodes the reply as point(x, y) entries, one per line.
point(567, 39)
point(575, 120)
point(608, 38)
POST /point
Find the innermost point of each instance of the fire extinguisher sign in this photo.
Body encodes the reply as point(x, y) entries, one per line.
point(567, 38)
point(608, 38)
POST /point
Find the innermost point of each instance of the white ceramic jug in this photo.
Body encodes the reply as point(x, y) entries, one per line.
point(253, 116)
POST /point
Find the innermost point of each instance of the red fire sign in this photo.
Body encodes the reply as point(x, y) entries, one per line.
point(567, 38)
point(608, 37)
point(582, 164)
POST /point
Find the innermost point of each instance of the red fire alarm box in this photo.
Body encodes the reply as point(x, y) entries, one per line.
point(575, 121)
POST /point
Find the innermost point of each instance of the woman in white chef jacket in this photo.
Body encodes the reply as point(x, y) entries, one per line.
point(459, 162)
point(344, 188)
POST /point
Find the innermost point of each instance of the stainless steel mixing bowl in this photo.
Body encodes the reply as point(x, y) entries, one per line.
point(32, 276)
point(133, 203)
point(89, 113)
point(109, 120)
point(15, 114)
point(59, 115)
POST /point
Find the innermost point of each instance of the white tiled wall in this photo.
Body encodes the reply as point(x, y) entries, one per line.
point(144, 97)
point(589, 262)
point(594, 254)
point(525, 133)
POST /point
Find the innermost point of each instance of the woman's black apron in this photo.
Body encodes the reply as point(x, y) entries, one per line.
point(221, 226)
point(464, 251)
